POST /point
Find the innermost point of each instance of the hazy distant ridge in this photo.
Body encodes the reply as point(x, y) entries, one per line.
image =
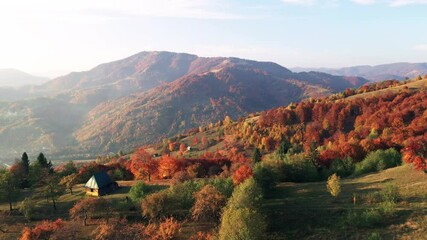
point(15, 78)
point(376, 73)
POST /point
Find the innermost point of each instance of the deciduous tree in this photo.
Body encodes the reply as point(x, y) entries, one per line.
point(208, 205)
point(241, 174)
point(69, 181)
point(143, 165)
point(333, 185)
point(9, 187)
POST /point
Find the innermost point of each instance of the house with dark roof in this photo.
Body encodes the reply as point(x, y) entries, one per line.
point(100, 184)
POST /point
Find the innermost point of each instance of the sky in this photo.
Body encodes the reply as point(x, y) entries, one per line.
point(54, 37)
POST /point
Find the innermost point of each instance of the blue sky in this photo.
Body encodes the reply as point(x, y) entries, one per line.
point(52, 37)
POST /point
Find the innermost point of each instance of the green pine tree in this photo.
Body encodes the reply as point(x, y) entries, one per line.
point(283, 148)
point(256, 156)
point(26, 163)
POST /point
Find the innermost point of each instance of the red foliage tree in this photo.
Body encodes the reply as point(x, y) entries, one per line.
point(143, 165)
point(241, 174)
point(415, 152)
point(205, 142)
point(182, 148)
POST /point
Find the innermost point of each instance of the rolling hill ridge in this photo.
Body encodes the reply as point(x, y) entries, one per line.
point(148, 96)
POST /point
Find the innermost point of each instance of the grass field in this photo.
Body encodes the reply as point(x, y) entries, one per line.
point(13, 224)
point(293, 210)
point(411, 86)
point(307, 211)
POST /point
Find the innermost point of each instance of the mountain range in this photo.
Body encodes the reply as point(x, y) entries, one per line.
point(149, 96)
point(15, 78)
point(398, 71)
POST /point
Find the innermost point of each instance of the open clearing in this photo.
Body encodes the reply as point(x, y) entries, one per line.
point(307, 211)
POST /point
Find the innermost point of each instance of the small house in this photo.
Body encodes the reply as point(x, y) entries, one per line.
point(100, 184)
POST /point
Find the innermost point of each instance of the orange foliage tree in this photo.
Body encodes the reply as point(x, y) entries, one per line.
point(171, 147)
point(143, 165)
point(168, 166)
point(121, 229)
point(43, 230)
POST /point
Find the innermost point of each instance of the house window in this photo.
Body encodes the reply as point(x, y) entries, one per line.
point(91, 190)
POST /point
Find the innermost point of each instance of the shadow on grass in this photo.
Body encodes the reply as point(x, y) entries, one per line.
point(308, 211)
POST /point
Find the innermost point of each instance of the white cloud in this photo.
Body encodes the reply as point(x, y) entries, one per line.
point(420, 47)
point(391, 3)
point(201, 9)
point(399, 3)
point(364, 2)
point(300, 2)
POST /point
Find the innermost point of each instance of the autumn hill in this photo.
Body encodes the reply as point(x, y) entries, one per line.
point(147, 96)
point(383, 115)
point(246, 178)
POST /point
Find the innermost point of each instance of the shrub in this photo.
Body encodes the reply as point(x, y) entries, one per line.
point(333, 185)
point(298, 169)
point(27, 208)
point(374, 236)
point(342, 168)
point(265, 177)
point(202, 236)
point(43, 230)
point(121, 229)
point(195, 170)
point(367, 218)
point(157, 205)
point(378, 160)
point(373, 197)
point(138, 191)
point(180, 176)
point(224, 185)
point(371, 218)
point(387, 208)
point(180, 197)
point(182, 193)
point(90, 207)
point(389, 193)
point(275, 164)
point(168, 229)
point(69, 230)
point(118, 174)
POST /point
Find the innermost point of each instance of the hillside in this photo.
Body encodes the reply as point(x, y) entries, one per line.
point(376, 73)
point(341, 126)
point(148, 96)
point(273, 163)
point(236, 89)
point(15, 78)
